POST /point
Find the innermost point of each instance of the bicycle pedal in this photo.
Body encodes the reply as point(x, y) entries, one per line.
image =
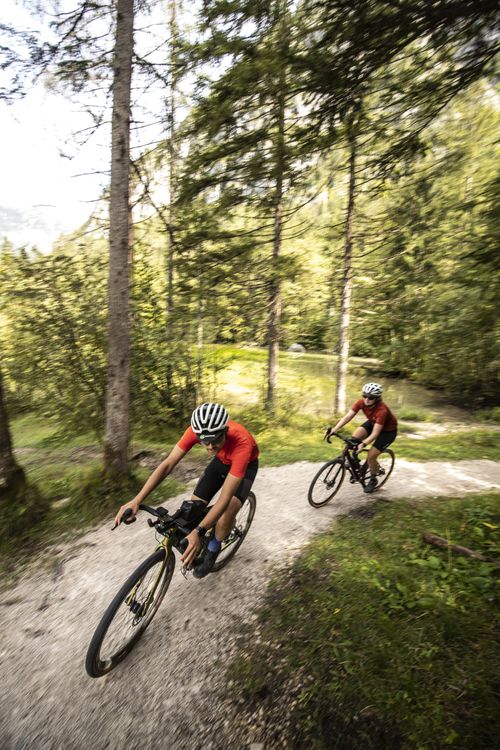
point(352, 480)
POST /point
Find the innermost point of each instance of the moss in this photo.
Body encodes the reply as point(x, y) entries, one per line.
point(372, 639)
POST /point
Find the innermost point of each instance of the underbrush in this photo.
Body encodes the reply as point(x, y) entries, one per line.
point(373, 639)
point(489, 415)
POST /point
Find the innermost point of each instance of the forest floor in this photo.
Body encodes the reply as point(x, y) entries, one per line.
point(170, 690)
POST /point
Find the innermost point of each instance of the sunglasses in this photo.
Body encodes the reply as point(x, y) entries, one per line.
point(212, 439)
point(369, 397)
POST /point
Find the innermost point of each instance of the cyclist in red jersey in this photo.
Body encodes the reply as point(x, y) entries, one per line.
point(380, 429)
point(232, 470)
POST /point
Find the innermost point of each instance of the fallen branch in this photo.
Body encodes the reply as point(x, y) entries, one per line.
point(439, 541)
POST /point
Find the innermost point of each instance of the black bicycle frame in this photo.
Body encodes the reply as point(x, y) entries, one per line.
point(350, 460)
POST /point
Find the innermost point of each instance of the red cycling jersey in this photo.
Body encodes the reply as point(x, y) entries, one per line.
point(378, 414)
point(238, 450)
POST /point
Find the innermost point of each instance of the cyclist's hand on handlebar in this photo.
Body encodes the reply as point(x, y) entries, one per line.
point(132, 505)
point(192, 549)
point(328, 433)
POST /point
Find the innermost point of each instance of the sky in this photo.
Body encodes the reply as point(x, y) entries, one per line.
point(51, 180)
point(43, 193)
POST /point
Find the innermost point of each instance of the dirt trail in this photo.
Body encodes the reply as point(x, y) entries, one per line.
point(162, 695)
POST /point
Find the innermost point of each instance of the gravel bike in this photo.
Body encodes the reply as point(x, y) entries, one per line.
point(329, 478)
point(138, 600)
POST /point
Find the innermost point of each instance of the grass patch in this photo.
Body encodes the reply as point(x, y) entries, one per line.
point(372, 639)
point(474, 444)
point(301, 439)
point(489, 415)
point(414, 415)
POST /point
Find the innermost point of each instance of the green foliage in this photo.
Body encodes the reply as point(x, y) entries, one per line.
point(54, 336)
point(22, 507)
point(414, 415)
point(373, 639)
point(438, 281)
point(489, 415)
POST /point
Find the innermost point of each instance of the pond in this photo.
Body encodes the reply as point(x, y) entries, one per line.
point(307, 382)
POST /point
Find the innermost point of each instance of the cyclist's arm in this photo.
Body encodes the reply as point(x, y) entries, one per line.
point(347, 418)
point(377, 429)
point(158, 475)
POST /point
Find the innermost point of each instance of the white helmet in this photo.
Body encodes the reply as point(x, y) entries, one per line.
point(209, 419)
point(372, 389)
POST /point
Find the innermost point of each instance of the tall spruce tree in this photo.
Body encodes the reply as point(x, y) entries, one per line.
point(251, 136)
point(118, 388)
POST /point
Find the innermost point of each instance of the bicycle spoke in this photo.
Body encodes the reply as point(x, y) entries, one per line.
point(326, 483)
point(386, 463)
point(130, 612)
point(134, 613)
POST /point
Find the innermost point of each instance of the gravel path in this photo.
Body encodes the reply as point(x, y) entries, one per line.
point(161, 696)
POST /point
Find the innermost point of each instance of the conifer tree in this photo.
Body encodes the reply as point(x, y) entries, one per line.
point(118, 388)
point(250, 133)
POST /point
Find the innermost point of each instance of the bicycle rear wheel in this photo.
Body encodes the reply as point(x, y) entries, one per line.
point(386, 464)
point(326, 483)
point(129, 614)
point(233, 541)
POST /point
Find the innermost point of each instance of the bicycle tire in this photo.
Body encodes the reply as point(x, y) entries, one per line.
point(233, 545)
point(94, 664)
point(386, 461)
point(331, 478)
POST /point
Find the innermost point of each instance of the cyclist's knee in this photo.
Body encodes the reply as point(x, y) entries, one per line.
point(360, 433)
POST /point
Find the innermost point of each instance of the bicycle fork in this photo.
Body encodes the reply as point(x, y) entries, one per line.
point(140, 608)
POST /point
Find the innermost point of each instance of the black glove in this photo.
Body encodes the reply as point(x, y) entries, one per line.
point(328, 433)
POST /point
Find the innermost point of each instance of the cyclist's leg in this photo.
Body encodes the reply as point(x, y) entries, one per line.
point(210, 481)
point(373, 452)
point(226, 522)
point(363, 430)
point(382, 442)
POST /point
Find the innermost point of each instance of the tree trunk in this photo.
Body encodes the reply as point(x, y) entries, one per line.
point(11, 475)
point(274, 319)
point(172, 186)
point(345, 312)
point(273, 327)
point(199, 338)
point(118, 389)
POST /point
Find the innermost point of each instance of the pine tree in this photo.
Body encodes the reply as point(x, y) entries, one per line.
point(118, 389)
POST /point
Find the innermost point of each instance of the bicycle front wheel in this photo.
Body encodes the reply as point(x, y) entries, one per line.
point(130, 612)
point(386, 464)
point(326, 483)
point(234, 540)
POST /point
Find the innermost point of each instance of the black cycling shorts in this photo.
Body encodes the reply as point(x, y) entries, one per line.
point(385, 438)
point(214, 476)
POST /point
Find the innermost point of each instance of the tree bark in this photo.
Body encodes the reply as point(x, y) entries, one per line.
point(274, 319)
point(118, 390)
point(345, 311)
point(11, 475)
point(172, 184)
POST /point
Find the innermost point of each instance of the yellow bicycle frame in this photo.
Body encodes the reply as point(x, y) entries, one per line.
point(165, 544)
